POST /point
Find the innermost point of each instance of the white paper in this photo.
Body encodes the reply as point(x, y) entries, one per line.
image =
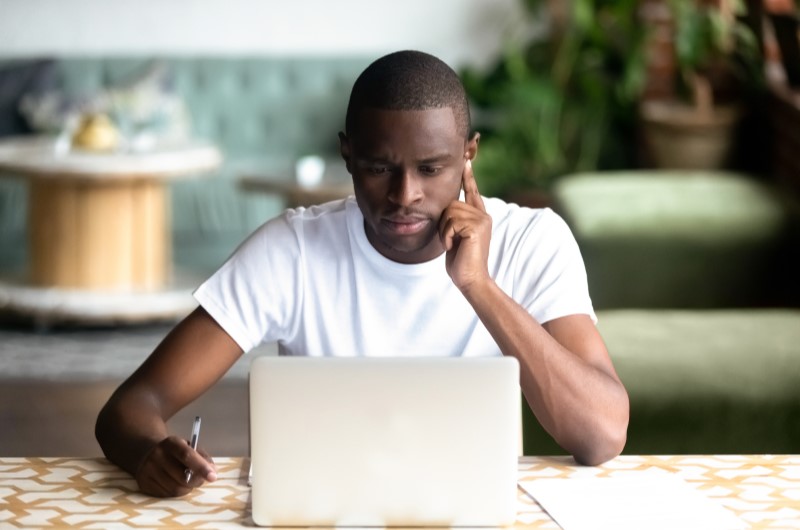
point(629, 500)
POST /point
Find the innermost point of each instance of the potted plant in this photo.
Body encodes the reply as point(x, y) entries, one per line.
point(716, 58)
point(562, 100)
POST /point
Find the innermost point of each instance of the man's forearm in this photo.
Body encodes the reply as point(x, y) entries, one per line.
point(127, 428)
point(582, 406)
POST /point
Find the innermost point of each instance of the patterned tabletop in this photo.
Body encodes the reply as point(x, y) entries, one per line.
point(762, 490)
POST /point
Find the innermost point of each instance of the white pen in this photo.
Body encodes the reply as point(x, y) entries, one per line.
point(193, 443)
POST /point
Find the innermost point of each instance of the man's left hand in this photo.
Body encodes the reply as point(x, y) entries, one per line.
point(466, 230)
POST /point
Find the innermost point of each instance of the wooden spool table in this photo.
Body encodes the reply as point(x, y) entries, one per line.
point(98, 225)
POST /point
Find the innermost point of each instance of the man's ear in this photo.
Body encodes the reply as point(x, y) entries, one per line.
point(344, 149)
point(471, 150)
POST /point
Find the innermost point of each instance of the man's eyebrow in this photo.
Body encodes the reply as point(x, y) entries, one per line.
point(434, 159)
point(373, 159)
point(444, 157)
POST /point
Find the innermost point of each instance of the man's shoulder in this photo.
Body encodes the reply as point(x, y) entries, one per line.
point(332, 211)
point(328, 216)
point(294, 226)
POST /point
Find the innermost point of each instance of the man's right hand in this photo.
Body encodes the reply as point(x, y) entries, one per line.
point(162, 471)
point(190, 359)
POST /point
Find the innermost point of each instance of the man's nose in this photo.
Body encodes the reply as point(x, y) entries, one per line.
point(406, 188)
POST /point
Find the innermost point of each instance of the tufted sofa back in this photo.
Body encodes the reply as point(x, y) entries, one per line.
point(262, 112)
point(249, 106)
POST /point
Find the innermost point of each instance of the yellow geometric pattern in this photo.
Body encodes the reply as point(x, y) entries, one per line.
point(762, 490)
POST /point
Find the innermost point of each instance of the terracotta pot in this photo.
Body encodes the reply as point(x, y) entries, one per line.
point(677, 136)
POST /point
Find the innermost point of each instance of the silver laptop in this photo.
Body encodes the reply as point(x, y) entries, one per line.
point(384, 441)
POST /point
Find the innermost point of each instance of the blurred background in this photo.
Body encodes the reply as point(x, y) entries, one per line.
point(666, 133)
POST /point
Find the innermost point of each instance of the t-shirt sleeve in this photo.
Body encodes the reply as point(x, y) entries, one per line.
point(551, 276)
point(252, 296)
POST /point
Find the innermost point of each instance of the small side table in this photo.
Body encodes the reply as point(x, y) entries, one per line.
point(336, 184)
point(98, 223)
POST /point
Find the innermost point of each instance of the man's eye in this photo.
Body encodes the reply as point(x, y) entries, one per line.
point(377, 170)
point(429, 170)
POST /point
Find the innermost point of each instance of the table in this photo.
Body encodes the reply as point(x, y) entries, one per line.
point(97, 222)
point(763, 490)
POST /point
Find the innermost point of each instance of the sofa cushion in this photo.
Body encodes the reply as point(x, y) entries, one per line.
point(681, 239)
point(724, 381)
point(709, 381)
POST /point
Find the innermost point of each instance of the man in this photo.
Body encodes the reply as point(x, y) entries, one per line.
point(417, 263)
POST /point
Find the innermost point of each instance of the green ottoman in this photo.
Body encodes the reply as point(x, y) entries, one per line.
point(664, 239)
point(700, 382)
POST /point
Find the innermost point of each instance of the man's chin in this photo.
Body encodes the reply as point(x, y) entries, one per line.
point(410, 250)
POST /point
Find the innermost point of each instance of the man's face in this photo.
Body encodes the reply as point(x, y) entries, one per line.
point(406, 167)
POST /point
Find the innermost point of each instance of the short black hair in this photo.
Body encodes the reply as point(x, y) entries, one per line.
point(408, 80)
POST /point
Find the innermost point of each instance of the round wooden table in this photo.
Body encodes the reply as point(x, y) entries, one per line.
point(99, 222)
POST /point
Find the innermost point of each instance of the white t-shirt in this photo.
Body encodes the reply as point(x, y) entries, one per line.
point(310, 280)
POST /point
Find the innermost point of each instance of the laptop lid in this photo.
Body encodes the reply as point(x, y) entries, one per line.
point(384, 441)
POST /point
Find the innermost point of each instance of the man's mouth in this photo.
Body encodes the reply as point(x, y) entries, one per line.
point(405, 225)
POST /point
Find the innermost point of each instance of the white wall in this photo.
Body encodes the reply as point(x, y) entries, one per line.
point(458, 31)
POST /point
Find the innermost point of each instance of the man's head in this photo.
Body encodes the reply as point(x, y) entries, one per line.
point(408, 80)
point(406, 142)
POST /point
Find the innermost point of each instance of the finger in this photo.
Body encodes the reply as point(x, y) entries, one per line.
point(197, 473)
point(456, 223)
point(208, 458)
point(471, 194)
point(447, 225)
point(197, 479)
point(187, 458)
point(447, 234)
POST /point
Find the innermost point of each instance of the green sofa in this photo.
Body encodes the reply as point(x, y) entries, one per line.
point(702, 381)
point(695, 280)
